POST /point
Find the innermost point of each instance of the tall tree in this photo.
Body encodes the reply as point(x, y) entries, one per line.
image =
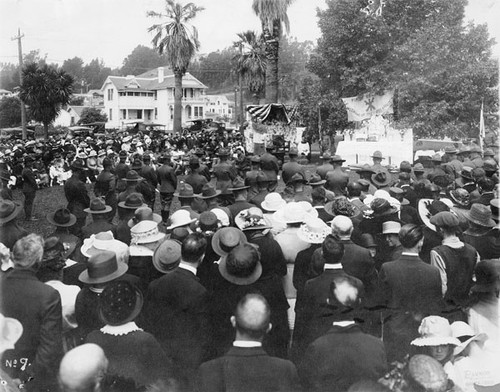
point(44, 90)
point(95, 73)
point(178, 40)
point(141, 60)
point(273, 16)
point(251, 62)
point(74, 67)
point(10, 112)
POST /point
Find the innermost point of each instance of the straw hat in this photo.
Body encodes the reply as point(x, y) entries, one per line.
point(180, 218)
point(391, 227)
point(291, 213)
point(428, 208)
point(314, 231)
point(242, 265)
point(167, 256)
point(481, 215)
point(10, 332)
point(146, 232)
point(435, 331)
point(466, 335)
point(226, 239)
point(308, 208)
point(102, 267)
point(119, 303)
point(105, 240)
point(222, 214)
point(251, 219)
point(273, 202)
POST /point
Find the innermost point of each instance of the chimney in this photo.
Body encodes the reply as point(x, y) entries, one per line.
point(161, 74)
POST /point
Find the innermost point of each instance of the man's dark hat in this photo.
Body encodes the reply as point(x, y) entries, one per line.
point(208, 221)
point(337, 158)
point(487, 277)
point(167, 256)
point(297, 177)
point(242, 265)
point(62, 217)
point(185, 191)
point(381, 178)
point(238, 184)
point(8, 210)
point(97, 206)
point(316, 180)
point(77, 165)
point(132, 202)
point(119, 303)
point(102, 268)
point(262, 177)
point(208, 192)
point(226, 239)
point(132, 175)
point(223, 152)
point(382, 207)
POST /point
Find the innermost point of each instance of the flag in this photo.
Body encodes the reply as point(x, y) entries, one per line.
point(368, 105)
point(481, 128)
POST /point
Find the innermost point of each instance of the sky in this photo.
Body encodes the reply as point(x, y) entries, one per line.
point(111, 29)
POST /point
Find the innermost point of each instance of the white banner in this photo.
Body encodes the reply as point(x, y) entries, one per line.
point(359, 109)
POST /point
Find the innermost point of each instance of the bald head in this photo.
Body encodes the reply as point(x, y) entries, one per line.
point(82, 368)
point(252, 317)
point(342, 226)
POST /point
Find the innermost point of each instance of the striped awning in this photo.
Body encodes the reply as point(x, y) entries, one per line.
point(270, 111)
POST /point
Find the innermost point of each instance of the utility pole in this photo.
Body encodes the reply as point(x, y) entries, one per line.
point(235, 104)
point(240, 84)
point(23, 108)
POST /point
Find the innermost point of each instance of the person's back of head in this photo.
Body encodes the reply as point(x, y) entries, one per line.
point(410, 235)
point(83, 369)
point(342, 226)
point(333, 249)
point(354, 189)
point(318, 196)
point(193, 248)
point(28, 251)
point(345, 295)
point(252, 318)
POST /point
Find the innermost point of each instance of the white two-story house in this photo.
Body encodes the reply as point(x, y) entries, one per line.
point(217, 105)
point(149, 98)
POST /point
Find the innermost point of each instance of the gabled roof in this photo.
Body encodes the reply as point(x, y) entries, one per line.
point(153, 73)
point(77, 109)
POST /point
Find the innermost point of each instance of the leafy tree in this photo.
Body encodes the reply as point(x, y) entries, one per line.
point(214, 69)
point(9, 76)
point(141, 60)
point(95, 73)
point(273, 16)
point(439, 67)
point(251, 63)
point(10, 112)
point(74, 67)
point(44, 90)
point(179, 41)
point(92, 115)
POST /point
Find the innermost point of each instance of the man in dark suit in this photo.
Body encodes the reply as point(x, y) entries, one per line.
point(77, 196)
point(105, 186)
point(246, 366)
point(176, 309)
point(195, 179)
point(270, 166)
point(225, 172)
point(168, 183)
point(411, 290)
point(337, 179)
point(37, 306)
point(309, 323)
point(345, 354)
point(29, 188)
point(292, 167)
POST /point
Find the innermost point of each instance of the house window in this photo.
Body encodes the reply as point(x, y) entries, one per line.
point(124, 113)
point(192, 92)
point(156, 112)
point(110, 94)
point(156, 95)
point(110, 114)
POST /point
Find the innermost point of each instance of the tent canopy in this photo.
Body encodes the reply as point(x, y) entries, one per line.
point(269, 112)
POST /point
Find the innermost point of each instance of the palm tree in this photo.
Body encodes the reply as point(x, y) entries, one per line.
point(272, 14)
point(178, 40)
point(251, 62)
point(45, 89)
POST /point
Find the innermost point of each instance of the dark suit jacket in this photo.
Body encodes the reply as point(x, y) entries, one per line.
point(176, 313)
point(246, 370)
point(340, 358)
point(167, 178)
point(77, 196)
point(37, 306)
point(196, 180)
point(29, 180)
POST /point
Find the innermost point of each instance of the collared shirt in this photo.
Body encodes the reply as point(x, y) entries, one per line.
point(246, 343)
point(409, 253)
point(187, 267)
point(343, 323)
point(328, 266)
point(118, 330)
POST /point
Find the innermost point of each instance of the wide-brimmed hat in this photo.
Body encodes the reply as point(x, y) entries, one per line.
point(382, 207)
point(428, 208)
point(435, 331)
point(381, 178)
point(119, 303)
point(314, 231)
point(495, 209)
point(77, 164)
point(10, 331)
point(316, 180)
point(223, 215)
point(297, 177)
point(133, 201)
point(251, 219)
point(208, 192)
point(366, 168)
point(223, 152)
point(167, 256)
point(450, 150)
point(185, 191)
point(487, 274)
point(8, 210)
point(102, 267)
point(308, 208)
point(92, 153)
point(238, 184)
point(418, 168)
point(340, 205)
point(480, 215)
point(226, 239)
point(241, 265)
point(273, 202)
point(180, 218)
point(132, 175)
point(291, 213)
point(464, 332)
point(62, 217)
point(378, 154)
point(262, 177)
point(467, 173)
point(337, 158)
point(143, 214)
point(146, 232)
point(461, 197)
point(391, 227)
point(97, 206)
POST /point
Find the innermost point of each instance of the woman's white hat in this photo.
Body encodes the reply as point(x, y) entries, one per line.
point(435, 331)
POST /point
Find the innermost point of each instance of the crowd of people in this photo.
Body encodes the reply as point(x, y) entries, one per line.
point(183, 264)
